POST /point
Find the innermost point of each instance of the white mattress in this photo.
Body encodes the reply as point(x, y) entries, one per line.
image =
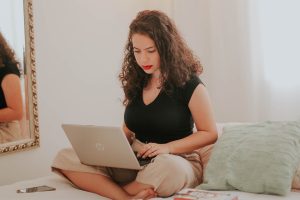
point(65, 191)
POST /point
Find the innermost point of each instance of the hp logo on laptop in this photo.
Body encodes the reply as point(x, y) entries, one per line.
point(99, 146)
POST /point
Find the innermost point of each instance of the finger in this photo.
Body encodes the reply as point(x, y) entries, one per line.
point(141, 153)
point(155, 153)
point(144, 149)
point(146, 153)
point(150, 153)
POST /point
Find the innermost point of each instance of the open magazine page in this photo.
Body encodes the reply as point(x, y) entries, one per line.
point(189, 194)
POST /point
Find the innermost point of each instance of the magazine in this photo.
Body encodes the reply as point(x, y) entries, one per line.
point(190, 194)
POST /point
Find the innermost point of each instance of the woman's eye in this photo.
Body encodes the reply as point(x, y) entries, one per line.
point(152, 51)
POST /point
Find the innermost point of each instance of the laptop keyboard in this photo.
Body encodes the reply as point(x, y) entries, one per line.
point(143, 161)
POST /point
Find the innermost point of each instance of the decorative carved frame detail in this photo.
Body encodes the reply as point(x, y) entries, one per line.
point(30, 64)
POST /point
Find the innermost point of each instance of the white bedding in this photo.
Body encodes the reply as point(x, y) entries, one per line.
point(65, 191)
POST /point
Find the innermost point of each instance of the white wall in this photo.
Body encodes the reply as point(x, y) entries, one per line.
point(216, 33)
point(12, 25)
point(241, 45)
point(79, 45)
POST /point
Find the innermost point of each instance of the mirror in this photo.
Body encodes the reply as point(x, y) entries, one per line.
point(16, 25)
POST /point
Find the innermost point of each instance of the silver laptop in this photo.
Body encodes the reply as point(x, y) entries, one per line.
point(102, 146)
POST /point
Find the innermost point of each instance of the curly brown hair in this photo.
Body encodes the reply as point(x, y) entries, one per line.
point(7, 54)
point(177, 61)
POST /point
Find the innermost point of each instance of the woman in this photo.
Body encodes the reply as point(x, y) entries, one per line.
point(164, 98)
point(11, 106)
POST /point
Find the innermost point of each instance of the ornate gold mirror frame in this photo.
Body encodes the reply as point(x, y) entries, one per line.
point(31, 127)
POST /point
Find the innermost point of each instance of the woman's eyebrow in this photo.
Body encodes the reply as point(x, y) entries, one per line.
point(145, 48)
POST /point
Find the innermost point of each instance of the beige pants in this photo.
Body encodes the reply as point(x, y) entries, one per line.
point(167, 173)
point(10, 131)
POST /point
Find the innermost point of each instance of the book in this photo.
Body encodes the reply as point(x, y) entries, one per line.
point(191, 194)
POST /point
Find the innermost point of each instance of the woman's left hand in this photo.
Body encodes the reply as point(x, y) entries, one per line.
point(153, 149)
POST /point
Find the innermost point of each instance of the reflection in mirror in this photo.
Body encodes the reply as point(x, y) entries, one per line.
point(19, 129)
point(11, 105)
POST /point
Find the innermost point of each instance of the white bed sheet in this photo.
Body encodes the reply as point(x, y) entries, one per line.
point(65, 191)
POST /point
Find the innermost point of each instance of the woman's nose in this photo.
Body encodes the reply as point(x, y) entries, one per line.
point(144, 57)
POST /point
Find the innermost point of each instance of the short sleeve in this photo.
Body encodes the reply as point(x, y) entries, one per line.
point(189, 88)
point(10, 69)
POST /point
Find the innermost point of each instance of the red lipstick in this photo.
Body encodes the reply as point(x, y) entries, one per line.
point(147, 67)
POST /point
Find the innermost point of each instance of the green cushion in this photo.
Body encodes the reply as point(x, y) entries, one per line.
point(257, 158)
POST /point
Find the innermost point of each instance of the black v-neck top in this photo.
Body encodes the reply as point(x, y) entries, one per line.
point(8, 69)
point(165, 119)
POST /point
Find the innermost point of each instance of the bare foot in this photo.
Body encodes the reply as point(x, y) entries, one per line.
point(145, 194)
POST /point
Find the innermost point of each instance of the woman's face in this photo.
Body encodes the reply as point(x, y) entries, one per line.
point(146, 54)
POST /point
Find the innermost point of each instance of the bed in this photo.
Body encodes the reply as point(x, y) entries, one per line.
point(65, 191)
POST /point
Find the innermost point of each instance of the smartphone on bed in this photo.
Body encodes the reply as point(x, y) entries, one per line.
point(41, 188)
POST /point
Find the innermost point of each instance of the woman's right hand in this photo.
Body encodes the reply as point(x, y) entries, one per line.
point(153, 149)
